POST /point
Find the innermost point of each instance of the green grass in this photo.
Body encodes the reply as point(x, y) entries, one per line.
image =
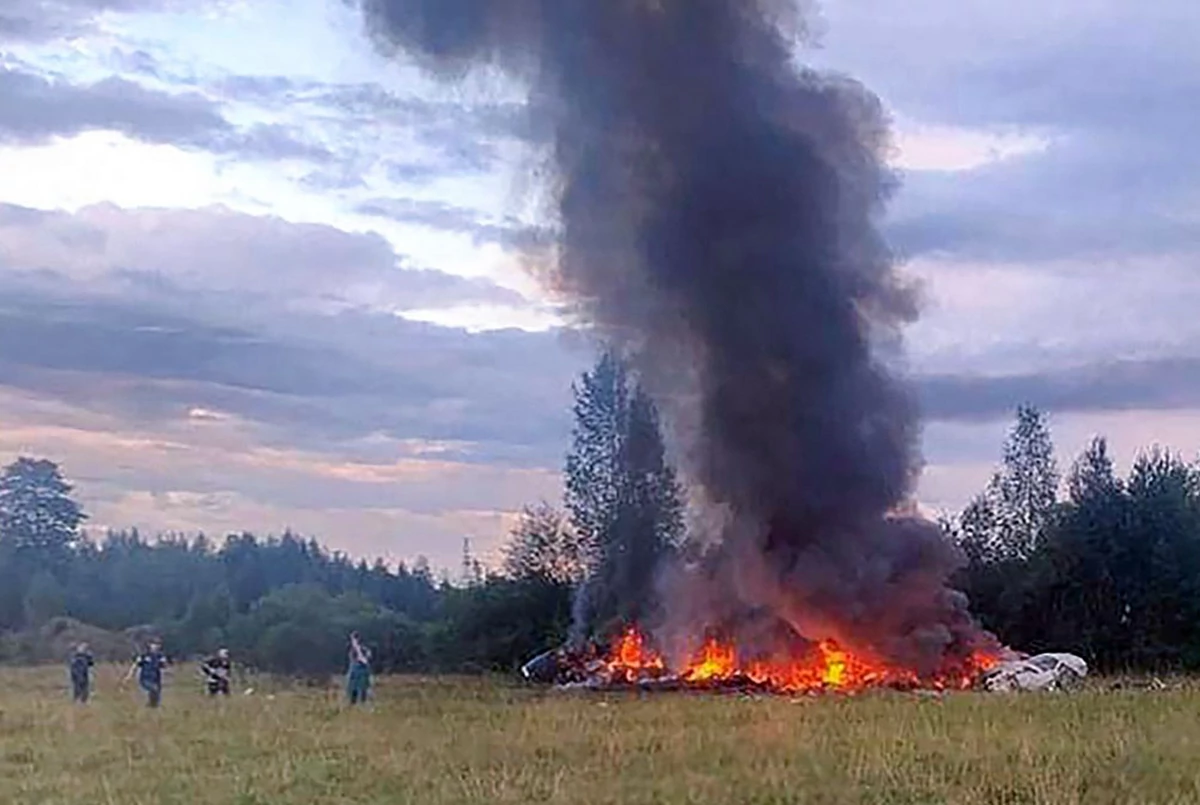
point(450, 741)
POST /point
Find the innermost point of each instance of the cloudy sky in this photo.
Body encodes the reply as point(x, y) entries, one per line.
point(252, 275)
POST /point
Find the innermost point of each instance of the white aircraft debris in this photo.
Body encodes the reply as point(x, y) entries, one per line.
point(1055, 671)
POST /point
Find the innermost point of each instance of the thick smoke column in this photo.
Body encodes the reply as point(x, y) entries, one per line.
point(718, 209)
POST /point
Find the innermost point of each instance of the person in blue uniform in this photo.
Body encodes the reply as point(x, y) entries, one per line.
point(81, 673)
point(149, 667)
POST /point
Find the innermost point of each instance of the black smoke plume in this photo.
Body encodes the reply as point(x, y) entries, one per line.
point(718, 207)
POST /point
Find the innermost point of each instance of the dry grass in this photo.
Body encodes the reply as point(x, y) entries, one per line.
point(451, 741)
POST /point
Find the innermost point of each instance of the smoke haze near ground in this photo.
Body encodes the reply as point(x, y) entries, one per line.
point(718, 207)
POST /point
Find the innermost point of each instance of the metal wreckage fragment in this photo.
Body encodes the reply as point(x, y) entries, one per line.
point(1053, 671)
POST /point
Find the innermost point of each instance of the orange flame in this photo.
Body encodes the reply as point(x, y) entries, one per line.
point(830, 667)
point(632, 660)
point(835, 664)
point(714, 661)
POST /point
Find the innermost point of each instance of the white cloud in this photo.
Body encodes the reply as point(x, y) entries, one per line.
point(949, 148)
point(96, 167)
point(481, 318)
point(995, 318)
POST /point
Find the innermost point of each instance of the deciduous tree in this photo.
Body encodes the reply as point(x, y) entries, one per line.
point(39, 520)
point(545, 546)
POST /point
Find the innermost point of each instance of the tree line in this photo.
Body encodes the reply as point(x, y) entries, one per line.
point(1110, 570)
point(1104, 566)
point(286, 604)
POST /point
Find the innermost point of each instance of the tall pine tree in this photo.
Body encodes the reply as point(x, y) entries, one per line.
point(622, 495)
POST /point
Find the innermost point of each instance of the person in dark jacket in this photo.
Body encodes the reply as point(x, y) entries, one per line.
point(217, 670)
point(149, 667)
point(81, 672)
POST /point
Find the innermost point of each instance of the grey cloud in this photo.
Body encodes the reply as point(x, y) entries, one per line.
point(1101, 196)
point(34, 109)
point(322, 382)
point(1046, 317)
point(266, 141)
point(335, 176)
point(452, 118)
point(17, 26)
point(95, 336)
point(137, 61)
point(146, 314)
point(460, 138)
point(1125, 73)
point(450, 218)
point(1073, 239)
point(48, 19)
point(413, 173)
point(1150, 384)
point(504, 395)
point(980, 218)
point(263, 260)
point(978, 62)
point(44, 20)
point(373, 102)
point(1112, 84)
point(264, 89)
point(150, 350)
point(439, 137)
point(298, 489)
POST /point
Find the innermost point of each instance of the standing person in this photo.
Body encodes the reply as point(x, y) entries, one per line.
point(358, 678)
point(81, 673)
point(149, 667)
point(217, 670)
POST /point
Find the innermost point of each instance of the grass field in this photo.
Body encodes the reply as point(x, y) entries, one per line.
point(470, 741)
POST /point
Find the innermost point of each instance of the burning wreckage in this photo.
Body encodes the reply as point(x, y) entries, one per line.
point(631, 663)
point(716, 666)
